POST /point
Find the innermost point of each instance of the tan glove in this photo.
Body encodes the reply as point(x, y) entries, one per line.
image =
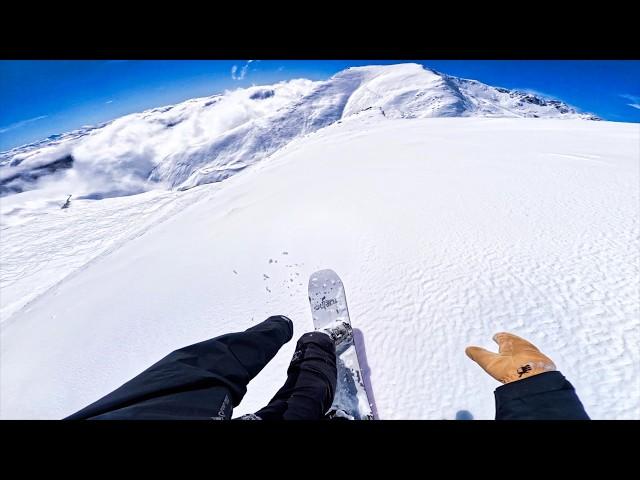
point(517, 358)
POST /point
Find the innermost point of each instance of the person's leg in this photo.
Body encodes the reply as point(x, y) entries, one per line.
point(311, 382)
point(201, 381)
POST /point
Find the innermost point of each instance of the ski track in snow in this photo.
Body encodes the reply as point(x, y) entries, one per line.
point(444, 231)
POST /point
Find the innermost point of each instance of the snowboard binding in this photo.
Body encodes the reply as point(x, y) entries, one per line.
point(338, 414)
point(340, 333)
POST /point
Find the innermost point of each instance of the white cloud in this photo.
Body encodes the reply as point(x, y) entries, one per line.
point(243, 71)
point(634, 98)
point(21, 123)
point(109, 101)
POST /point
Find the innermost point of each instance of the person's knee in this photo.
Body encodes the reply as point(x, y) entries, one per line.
point(281, 319)
point(314, 358)
point(319, 339)
point(278, 325)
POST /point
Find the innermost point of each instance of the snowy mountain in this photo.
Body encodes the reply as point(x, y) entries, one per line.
point(445, 230)
point(209, 139)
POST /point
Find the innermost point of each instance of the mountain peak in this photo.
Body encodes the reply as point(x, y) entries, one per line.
point(205, 140)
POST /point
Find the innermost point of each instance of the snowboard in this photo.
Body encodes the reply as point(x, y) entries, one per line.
point(328, 306)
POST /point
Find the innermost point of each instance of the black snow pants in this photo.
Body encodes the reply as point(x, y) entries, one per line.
point(208, 379)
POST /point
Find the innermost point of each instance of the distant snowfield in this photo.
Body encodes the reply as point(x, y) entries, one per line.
point(444, 231)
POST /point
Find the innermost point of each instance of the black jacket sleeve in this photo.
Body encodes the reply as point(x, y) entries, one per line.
point(546, 396)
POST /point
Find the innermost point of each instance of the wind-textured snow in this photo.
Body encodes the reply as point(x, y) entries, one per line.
point(444, 231)
point(209, 139)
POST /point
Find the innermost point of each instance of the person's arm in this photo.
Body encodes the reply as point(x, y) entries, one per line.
point(533, 389)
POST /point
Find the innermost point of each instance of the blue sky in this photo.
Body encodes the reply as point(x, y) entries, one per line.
point(41, 98)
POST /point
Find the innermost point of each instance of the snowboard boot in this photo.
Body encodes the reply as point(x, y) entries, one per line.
point(339, 332)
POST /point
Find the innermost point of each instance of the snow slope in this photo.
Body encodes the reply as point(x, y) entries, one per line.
point(205, 140)
point(444, 230)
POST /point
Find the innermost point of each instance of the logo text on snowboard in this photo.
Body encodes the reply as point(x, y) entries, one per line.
point(324, 303)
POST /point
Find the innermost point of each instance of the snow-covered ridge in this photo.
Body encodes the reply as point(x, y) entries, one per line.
point(205, 140)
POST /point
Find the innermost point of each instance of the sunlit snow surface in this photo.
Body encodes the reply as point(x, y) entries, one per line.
point(444, 231)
